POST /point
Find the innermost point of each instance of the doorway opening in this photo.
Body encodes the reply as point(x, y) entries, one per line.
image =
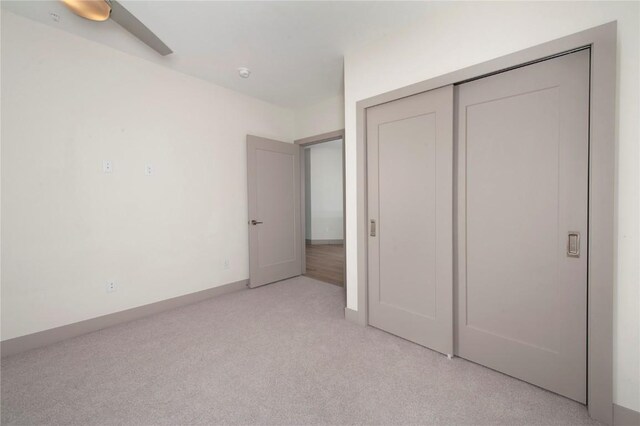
point(322, 165)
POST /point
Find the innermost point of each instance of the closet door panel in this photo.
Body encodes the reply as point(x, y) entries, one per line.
point(409, 148)
point(522, 222)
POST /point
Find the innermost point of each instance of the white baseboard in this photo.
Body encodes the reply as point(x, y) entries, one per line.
point(320, 242)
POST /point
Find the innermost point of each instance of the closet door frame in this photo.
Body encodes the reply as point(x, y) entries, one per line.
point(601, 40)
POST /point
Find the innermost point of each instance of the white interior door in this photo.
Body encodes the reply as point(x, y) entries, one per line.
point(409, 166)
point(522, 222)
point(273, 179)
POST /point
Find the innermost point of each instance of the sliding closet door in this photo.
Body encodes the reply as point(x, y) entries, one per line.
point(409, 166)
point(522, 222)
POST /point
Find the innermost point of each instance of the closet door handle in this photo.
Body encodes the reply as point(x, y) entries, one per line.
point(573, 244)
point(372, 228)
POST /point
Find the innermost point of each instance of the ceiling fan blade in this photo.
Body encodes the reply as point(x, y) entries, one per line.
point(130, 23)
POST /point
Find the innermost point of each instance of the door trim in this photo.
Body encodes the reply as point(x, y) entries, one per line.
point(602, 133)
point(305, 143)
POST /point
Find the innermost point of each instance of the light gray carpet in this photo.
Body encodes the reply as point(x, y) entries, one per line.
point(280, 354)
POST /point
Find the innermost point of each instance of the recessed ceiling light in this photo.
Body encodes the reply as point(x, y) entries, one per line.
point(244, 72)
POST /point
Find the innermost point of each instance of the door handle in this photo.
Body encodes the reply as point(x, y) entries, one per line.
point(573, 244)
point(255, 222)
point(372, 229)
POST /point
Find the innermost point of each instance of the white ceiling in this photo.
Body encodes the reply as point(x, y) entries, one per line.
point(294, 49)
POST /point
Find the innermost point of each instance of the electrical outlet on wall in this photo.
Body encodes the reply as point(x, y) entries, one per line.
point(148, 170)
point(107, 166)
point(111, 286)
point(226, 264)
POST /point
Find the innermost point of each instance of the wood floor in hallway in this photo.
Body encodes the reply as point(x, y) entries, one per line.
point(325, 262)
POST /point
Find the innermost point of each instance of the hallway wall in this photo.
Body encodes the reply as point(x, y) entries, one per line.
point(325, 189)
